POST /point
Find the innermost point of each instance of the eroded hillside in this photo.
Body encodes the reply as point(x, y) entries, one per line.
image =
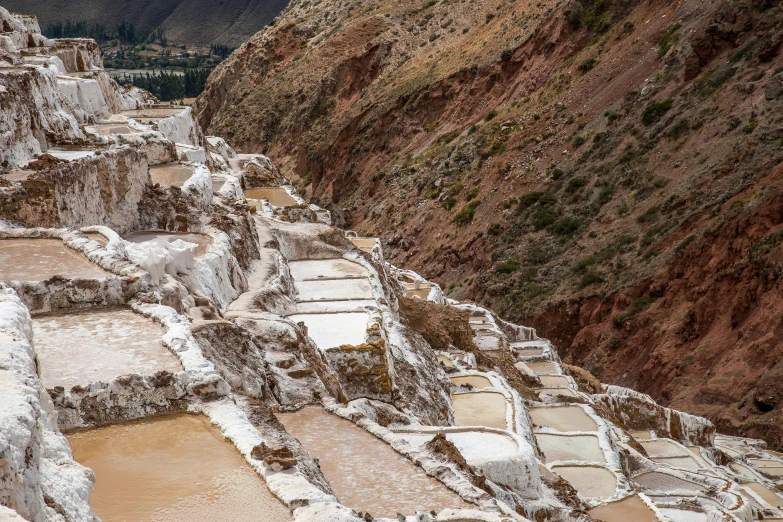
point(608, 171)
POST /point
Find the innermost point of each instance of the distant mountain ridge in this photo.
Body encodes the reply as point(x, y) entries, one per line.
point(193, 22)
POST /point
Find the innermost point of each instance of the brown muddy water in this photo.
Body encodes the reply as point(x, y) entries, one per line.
point(174, 469)
point(589, 481)
point(477, 381)
point(171, 174)
point(366, 474)
point(276, 196)
point(631, 509)
point(40, 259)
point(92, 345)
point(480, 409)
point(563, 418)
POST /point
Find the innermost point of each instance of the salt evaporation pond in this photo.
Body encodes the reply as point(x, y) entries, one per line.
point(477, 381)
point(174, 469)
point(570, 447)
point(554, 381)
point(365, 244)
point(331, 330)
point(333, 289)
point(337, 268)
point(202, 241)
point(663, 482)
point(480, 409)
point(677, 462)
point(556, 392)
point(446, 361)
point(171, 174)
point(110, 128)
point(663, 448)
point(766, 494)
point(542, 367)
point(563, 418)
point(40, 259)
point(589, 481)
point(276, 196)
point(419, 293)
point(366, 474)
point(631, 509)
point(92, 345)
point(683, 515)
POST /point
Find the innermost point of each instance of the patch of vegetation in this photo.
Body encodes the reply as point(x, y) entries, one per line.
point(528, 200)
point(669, 39)
point(764, 246)
point(679, 250)
point(465, 215)
point(494, 229)
point(575, 184)
point(496, 149)
point(567, 226)
point(589, 278)
point(655, 111)
point(449, 203)
point(507, 267)
point(597, 17)
point(579, 141)
point(587, 65)
point(637, 306)
point(490, 115)
point(649, 215)
point(471, 194)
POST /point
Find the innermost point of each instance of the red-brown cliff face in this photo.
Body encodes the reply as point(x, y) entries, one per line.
point(608, 171)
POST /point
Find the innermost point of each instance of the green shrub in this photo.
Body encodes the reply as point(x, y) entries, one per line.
point(449, 203)
point(679, 250)
point(597, 17)
point(494, 229)
point(543, 217)
point(575, 184)
point(490, 115)
point(507, 267)
point(669, 39)
point(649, 215)
point(655, 111)
point(587, 65)
point(567, 226)
point(579, 141)
point(471, 194)
point(590, 277)
point(528, 200)
point(637, 306)
point(465, 215)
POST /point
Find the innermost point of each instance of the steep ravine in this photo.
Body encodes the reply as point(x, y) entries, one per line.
point(564, 164)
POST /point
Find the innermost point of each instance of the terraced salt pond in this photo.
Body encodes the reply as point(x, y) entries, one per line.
point(40, 259)
point(683, 515)
point(277, 197)
point(556, 392)
point(542, 367)
point(202, 241)
point(418, 293)
point(366, 474)
point(554, 381)
point(570, 447)
point(631, 509)
point(663, 482)
point(480, 409)
point(334, 329)
point(110, 128)
point(338, 268)
point(589, 481)
point(563, 418)
point(92, 345)
point(365, 244)
point(333, 290)
point(174, 469)
point(766, 494)
point(476, 381)
point(171, 174)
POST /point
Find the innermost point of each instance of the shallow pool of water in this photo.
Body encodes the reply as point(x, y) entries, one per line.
point(334, 329)
point(678, 462)
point(91, 345)
point(339, 268)
point(366, 474)
point(176, 468)
point(480, 409)
point(333, 290)
point(477, 381)
point(663, 448)
point(556, 392)
point(171, 175)
point(276, 196)
point(446, 361)
point(554, 381)
point(589, 481)
point(574, 447)
point(683, 515)
point(528, 352)
point(766, 494)
point(563, 418)
point(202, 241)
point(107, 129)
point(631, 509)
point(40, 259)
point(542, 367)
point(421, 293)
point(665, 483)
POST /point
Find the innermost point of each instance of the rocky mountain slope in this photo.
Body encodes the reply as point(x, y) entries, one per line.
point(192, 22)
point(607, 171)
